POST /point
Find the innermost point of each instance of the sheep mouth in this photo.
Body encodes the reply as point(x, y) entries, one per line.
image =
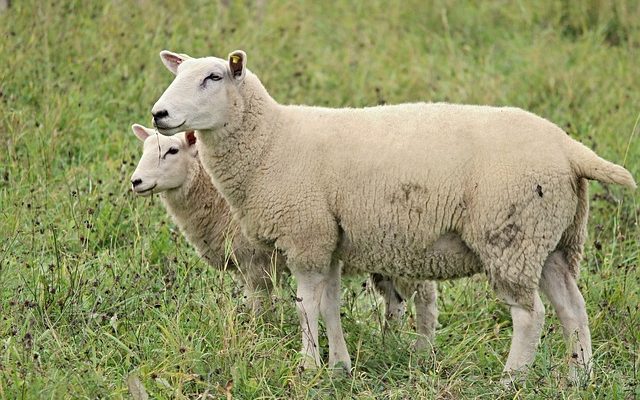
point(146, 191)
point(165, 129)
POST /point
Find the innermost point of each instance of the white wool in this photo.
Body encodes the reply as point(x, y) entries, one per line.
point(171, 167)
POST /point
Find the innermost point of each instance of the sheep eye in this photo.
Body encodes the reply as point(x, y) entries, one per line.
point(213, 77)
point(172, 150)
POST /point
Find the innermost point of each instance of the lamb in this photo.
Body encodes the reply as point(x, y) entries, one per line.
point(407, 191)
point(171, 167)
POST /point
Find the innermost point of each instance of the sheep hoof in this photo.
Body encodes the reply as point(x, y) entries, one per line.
point(395, 314)
point(579, 376)
point(511, 380)
point(423, 344)
point(308, 363)
point(508, 384)
point(342, 368)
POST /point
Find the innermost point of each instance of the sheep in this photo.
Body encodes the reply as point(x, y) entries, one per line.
point(171, 167)
point(402, 190)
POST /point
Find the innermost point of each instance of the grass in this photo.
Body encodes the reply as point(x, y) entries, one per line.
point(98, 288)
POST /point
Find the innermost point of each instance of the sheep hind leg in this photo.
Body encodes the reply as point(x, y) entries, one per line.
point(426, 314)
point(559, 285)
point(513, 267)
point(426, 309)
point(527, 328)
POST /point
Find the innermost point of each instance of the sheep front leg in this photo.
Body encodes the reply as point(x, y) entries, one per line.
point(258, 285)
point(308, 298)
point(394, 302)
point(330, 309)
point(310, 258)
point(255, 292)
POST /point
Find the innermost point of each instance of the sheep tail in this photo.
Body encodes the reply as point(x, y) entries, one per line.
point(587, 164)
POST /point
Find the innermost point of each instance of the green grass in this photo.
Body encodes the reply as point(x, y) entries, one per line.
point(96, 285)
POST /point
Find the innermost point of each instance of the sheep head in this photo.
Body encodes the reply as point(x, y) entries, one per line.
point(165, 161)
point(201, 93)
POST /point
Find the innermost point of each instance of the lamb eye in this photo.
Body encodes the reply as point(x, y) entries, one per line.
point(172, 150)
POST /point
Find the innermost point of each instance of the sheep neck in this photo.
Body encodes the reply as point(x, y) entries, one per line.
point(232, 154)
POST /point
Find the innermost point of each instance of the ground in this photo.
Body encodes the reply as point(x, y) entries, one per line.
point(100, 296)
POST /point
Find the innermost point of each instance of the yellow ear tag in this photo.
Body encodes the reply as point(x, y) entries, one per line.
point(235, 59)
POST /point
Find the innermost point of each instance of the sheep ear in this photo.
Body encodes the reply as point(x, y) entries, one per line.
point(172, 60)
point(141, 132)
point(238, 65)
point(190, 136)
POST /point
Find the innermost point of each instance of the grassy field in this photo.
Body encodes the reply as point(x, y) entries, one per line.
point(98, 289)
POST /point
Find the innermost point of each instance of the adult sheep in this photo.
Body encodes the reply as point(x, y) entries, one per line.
point(170, 166)
point(398, 190)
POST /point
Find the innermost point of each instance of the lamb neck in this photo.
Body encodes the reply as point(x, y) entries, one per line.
point(192, 206)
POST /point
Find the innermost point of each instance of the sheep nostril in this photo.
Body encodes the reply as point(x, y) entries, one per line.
point(157, 116)
point(136, 182)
